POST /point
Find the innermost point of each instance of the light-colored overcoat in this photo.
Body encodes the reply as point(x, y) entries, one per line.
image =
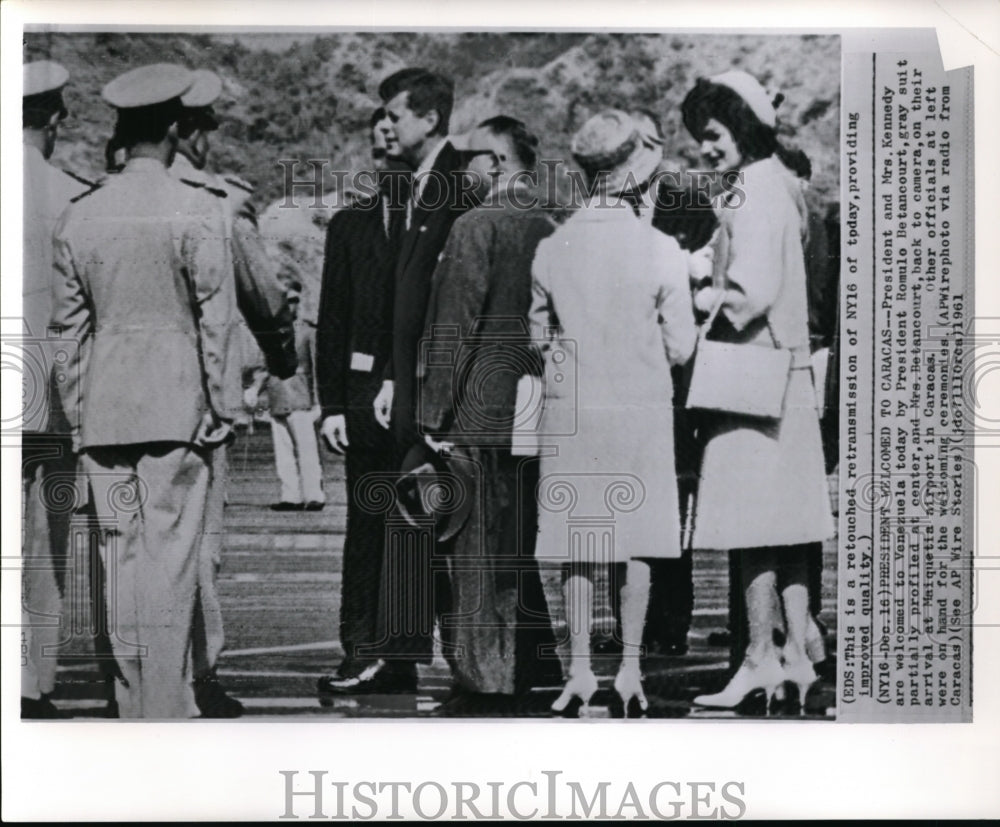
point(762, 481)
point(612, 302)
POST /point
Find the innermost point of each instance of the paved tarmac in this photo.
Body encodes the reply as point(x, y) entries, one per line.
point(280, 592)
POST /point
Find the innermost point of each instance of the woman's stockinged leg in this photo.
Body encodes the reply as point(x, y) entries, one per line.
point(635, 602)
point(761, 668)
point(578, 592)
point(763, 608)
point(793, 582)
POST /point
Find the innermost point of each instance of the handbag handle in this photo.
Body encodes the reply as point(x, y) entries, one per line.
point(714, 312)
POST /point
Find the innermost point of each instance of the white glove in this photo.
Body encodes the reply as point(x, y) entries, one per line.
point(700, 263)
point(442, 448)
point(383, 404)
point(334, 431)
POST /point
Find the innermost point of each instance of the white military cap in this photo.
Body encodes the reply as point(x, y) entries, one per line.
point(204, 91)
point(148, 85)
point(41, 76)
point(749, 88)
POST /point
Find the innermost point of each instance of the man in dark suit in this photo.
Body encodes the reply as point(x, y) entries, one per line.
point(418, 104)
point(353, 345)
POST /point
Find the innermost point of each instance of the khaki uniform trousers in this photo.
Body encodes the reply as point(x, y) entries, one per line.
point(48, 498)
point(150, 501)
point(209, 636)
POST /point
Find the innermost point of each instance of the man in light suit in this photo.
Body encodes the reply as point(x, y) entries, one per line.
point(269, 319)
point(47, 459)
point(143, 285)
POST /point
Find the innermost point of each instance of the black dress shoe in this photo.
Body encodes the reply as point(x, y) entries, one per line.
point(380, 678)
point(314, 505)
point(286, 506)
point(41, 709)
point(213, 701)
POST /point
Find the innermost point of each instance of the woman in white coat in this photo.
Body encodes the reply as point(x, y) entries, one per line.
point(763, 487)
point(613, 305)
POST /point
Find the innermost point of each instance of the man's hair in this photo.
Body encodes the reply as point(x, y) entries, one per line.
point(427, 91)
point(37, 110)
point(525, 144)
point(146, 124)
point(197, 118)
point(376, 116)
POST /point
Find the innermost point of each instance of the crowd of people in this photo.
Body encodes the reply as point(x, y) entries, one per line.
point(507, 386)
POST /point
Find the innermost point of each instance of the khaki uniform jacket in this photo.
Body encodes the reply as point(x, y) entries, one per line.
point(260, 295)
point(47, 192)
point(142, 284)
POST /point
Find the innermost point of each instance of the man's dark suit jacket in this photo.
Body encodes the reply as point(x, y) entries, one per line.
point(355, 313)
point(441, 202)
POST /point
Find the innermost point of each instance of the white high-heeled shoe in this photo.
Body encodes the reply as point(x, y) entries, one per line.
point(800, 672)
point(582, 686)
point(766, 675)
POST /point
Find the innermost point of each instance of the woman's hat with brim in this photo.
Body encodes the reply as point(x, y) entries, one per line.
point(436, 490)
point(610, 143)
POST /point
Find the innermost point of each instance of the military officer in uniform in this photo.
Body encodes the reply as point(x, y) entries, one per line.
point(262, 303)
point(143, 283)
point(48, 463)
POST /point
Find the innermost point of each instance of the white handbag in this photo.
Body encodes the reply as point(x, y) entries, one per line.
point(747, 379)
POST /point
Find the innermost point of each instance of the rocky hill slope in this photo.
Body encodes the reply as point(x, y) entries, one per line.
point(300, 98)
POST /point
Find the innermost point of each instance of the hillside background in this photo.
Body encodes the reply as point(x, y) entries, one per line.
point(306, 97)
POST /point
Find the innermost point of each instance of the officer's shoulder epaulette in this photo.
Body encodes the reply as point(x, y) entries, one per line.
point(218, 193)
point(80, 178)
point(240, 183)
point(93, 188)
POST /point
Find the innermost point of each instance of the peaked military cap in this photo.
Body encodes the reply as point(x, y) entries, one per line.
point(43, 84)
point(204, 91)
point(148, 85)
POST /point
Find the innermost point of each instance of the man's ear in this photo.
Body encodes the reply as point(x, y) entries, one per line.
point(432, 118)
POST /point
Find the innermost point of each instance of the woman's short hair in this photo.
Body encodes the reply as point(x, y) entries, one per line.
point(708, 101)
point(525, 143)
